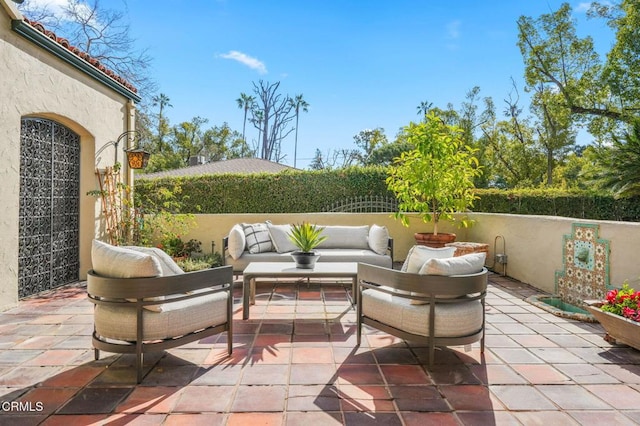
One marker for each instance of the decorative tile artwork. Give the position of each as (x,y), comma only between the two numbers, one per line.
(586,265)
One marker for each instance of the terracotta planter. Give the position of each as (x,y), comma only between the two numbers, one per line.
(434,240)
(619,329)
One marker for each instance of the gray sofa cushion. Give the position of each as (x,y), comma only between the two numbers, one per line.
(345,237)
(326,255)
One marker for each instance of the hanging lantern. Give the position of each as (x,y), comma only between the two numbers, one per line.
(137,158)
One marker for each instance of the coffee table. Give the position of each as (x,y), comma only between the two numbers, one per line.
(288,270)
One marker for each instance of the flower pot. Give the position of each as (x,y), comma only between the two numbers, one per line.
(619,329)
(434,240)
(305,259)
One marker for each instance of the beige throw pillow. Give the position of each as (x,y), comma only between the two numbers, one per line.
(119,262)
(418,255)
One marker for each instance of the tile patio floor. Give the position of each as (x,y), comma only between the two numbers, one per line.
(295,363)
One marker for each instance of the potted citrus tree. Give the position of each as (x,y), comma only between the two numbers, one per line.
(434,179)
(306,237)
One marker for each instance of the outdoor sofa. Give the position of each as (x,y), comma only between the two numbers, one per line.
(266,242)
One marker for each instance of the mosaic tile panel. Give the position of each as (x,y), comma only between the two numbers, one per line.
(586,265)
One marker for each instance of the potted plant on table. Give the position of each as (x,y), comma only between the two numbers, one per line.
(435,178)
(306,237)
(619,315)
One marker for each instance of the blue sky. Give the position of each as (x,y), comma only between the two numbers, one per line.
(359,64)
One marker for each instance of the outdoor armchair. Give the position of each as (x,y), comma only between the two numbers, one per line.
(138,315)
(432,309)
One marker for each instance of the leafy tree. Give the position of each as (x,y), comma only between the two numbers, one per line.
(222,143)
(189,138)
(510,149)
(605,95)
(318,161)
(297,103)
(368,141)
(554,133)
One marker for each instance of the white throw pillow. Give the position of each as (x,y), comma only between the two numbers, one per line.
(345,237)
(460,265)
(280,237)
(378,239)
(257,236)
(119,262)
(237,242)
(418,255)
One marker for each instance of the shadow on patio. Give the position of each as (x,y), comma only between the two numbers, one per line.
(295,362)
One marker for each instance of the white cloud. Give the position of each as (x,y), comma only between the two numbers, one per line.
(453,29)
(247,60)
(56,7)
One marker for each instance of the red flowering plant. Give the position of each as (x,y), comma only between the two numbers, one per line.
(624,302)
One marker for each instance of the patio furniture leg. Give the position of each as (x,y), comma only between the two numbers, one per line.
(253,291)
(96,354)
(246,289)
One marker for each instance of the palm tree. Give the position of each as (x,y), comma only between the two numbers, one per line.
(245,101)
(621,164)
(162,101)
(424,107)
(297,103)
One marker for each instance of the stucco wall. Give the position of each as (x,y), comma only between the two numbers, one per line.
(35,83)
(533,244)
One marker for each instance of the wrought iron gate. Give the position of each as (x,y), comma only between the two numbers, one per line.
(49,206)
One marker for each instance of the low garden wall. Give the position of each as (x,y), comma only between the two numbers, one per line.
(533,244)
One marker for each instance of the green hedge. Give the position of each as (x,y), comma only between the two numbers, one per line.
(558,203)
(315,191)
(286,192)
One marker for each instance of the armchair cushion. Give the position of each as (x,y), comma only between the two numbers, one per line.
(120,262)
(173,319)
(418,256)
(452,320)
